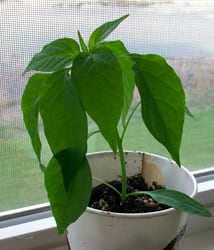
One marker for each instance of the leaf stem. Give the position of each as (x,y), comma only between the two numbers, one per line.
(129,119)
(93,133)
(138,193)
(108,185)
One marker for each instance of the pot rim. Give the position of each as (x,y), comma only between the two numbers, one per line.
(131,215)
(148,214)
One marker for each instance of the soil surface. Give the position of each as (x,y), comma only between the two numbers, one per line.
(106,199)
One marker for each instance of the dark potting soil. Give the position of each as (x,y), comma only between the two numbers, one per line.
(106,199)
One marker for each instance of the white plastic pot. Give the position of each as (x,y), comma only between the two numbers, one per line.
(100,230)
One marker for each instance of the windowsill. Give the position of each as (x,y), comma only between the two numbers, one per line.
(42,235)
(199,241)
(40,232)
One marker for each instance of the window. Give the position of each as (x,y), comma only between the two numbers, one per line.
(180,30)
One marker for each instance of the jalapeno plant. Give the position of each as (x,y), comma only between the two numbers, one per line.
(75,80)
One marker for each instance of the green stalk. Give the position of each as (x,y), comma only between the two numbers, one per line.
(122,155)
(123,167)
(123,194)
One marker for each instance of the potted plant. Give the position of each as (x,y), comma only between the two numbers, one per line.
(75,81)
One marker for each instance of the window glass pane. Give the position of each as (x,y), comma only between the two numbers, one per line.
(180,30)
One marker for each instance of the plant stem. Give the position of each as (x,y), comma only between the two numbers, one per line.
(122,156)
(123,167)
(123,193)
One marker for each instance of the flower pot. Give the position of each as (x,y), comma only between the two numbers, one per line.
(100,230)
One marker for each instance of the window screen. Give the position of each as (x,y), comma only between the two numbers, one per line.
(182,31)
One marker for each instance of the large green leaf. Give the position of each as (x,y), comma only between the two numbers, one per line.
(163,101)
(100,33)
(64,120)
(126,64)
(67,206)
(55,56)
(180,201)
(98,79)
(30,109)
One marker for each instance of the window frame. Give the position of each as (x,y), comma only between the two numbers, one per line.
(34,226)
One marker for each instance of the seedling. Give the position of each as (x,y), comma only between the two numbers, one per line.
(97,79)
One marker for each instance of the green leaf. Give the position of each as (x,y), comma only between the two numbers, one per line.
(69,160)
(82,43)
(98,80)
(67,206)
(64,120)
(126,64)
(180,201)
(163,101)
(30,108)
(100,33)
(117,47)
(55,56)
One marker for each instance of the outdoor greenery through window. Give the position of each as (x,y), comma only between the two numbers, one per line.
(180,30)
